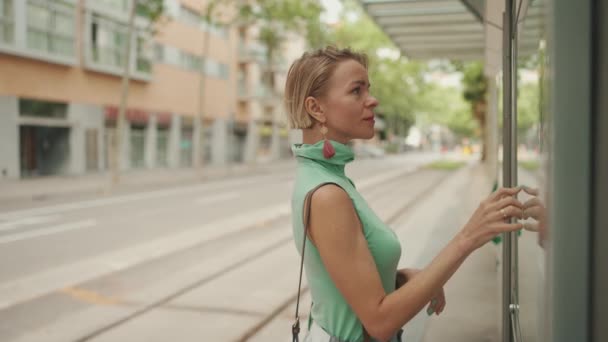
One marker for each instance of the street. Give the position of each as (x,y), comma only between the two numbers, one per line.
(209,261)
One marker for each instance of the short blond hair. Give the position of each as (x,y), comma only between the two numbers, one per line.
(309,76)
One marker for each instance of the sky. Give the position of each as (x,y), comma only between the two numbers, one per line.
(332,11)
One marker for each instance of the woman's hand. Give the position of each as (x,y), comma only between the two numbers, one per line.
(437,304)
(491,219)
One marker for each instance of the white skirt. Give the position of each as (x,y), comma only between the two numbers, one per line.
(317,334)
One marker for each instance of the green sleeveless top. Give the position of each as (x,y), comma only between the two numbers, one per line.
(330,310)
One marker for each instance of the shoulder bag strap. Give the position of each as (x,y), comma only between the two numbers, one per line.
(295,329)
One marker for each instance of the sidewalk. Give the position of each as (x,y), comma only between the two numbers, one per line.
(473,294)
(54,187)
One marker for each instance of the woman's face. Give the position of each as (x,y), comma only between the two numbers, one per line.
(348,105)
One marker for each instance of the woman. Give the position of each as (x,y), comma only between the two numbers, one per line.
(351,256)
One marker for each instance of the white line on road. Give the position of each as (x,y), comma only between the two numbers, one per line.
(218,198)
(27,221)
(29,287)
(48,231)
(13,215)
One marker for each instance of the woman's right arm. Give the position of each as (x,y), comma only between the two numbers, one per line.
(336,232)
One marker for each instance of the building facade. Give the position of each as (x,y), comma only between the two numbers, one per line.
(61,63)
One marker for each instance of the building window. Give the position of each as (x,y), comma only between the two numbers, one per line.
(137,147)
(190,61)
(50,27)
(216,29)
(190,16)
(162,146)
(224,71)
(144,55)
(108,40)
(159,53)
(216,69)
(193,18)
(7,22)
(43,109)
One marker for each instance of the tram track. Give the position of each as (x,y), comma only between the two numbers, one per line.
(388,185)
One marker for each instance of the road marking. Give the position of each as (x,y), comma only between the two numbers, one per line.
(218,198)
(27,221)
(48,231)
(61,208)
(89,296)
(29,287)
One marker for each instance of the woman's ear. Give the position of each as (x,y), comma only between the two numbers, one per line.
(313,108)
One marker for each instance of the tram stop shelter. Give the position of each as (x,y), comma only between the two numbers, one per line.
(476,30)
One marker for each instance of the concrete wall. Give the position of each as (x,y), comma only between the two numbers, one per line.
(151,140)
(84,117)
(219,151)
(252,142)
(9,138)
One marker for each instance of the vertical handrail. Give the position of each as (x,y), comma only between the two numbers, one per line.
(507,333)
(511,329)
(517,337)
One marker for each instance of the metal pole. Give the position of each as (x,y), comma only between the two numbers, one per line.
(507,334)
(514,307)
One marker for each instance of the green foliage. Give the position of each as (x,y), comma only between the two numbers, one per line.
(447,165)
(152,10)
(396,82)
(528,110)
(277,18)
(530,165)
(474,81)
(528,106)
(391,148)
(446,106)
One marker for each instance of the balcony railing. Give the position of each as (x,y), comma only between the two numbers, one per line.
(259,92)
(252,53)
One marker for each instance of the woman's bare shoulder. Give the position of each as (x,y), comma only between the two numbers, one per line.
(330,195)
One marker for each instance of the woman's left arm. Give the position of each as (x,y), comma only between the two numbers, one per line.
(437,304)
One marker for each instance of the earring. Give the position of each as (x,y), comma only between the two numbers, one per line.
(328,148)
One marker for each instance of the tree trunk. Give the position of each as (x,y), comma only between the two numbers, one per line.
(200,120)
(120,120)
(479,111)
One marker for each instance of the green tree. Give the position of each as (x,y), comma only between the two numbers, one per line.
(152,11)
(528,110)
(446,106)
(278,18)
(475,90)
(212,17)
(396,82)
(275,20)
